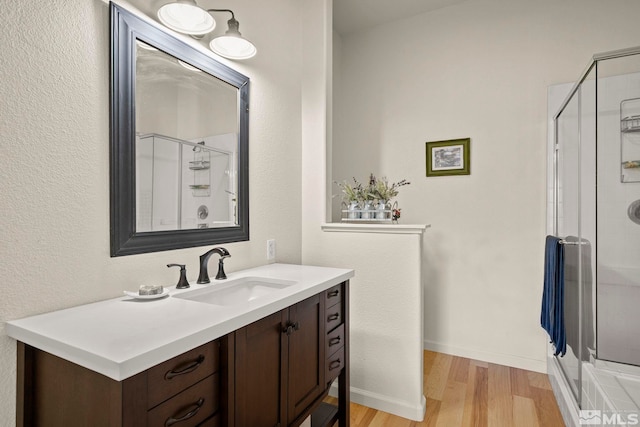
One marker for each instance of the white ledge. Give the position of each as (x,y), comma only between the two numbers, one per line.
(342,227)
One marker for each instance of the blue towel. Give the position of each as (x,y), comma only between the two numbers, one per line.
(552,313)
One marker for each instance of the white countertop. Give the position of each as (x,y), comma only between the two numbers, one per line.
(123,336)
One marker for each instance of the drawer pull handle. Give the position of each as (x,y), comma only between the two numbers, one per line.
(196,407)
(335,364)
(334,341)
(333,294)
(333,317)
(187,369)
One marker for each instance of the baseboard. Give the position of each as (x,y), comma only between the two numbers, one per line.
(497,358)
(385,403)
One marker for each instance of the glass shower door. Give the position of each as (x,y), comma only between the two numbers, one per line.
(567,224)
(575,193)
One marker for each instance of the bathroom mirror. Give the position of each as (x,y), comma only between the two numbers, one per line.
(179,142)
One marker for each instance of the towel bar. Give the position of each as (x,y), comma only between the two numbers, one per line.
(567,242)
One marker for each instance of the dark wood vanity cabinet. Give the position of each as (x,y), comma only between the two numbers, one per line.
(183,391)
(280,366)
(274,372)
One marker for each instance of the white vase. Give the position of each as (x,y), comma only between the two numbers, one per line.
(367,210)
(380,210)
(353,211)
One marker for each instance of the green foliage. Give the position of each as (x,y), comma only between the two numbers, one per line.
(376,189)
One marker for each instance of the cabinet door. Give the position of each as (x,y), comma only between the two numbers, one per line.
(306,355)
(260,365)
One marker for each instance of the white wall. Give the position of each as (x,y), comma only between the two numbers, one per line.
(54,167)
(479,69)
(385,305)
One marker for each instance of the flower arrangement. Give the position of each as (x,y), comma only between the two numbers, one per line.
(379,189)
(384,191)
(350,193)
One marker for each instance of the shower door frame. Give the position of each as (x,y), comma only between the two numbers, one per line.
(593,65)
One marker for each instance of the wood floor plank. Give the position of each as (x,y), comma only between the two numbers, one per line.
(459,369)
(431,415)
(362,415)
(479,363)
(524,412)
(438,375)
(429,358)
(452,406)
(500,408)
(537,379)
(469,393)
(387,420)
(519,382)
(546,408)
(476,399)
(467,412)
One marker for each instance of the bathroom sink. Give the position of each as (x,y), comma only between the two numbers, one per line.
(237,291)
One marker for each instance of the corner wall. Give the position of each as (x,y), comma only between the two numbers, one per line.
(54,167)
(478,69)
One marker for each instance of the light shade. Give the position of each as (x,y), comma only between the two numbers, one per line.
(185,16)
(232,45)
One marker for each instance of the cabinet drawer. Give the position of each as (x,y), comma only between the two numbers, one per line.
(333,295)
(335,363)
(333,317)
(171,377)
(211,421)
(189,408)
(334,340)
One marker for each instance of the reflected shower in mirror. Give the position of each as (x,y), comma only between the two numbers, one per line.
(186,145)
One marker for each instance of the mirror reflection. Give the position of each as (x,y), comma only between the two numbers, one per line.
(186,157)
(179,132)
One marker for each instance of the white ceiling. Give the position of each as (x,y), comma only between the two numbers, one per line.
(351,16)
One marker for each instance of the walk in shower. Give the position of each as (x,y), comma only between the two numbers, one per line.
(594,206)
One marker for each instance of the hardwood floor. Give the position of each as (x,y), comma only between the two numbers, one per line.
(467,393)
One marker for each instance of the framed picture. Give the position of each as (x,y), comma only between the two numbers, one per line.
(451,157)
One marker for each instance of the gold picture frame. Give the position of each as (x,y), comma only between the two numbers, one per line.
(449,157)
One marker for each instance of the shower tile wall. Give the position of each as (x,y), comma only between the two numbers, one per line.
(619,238)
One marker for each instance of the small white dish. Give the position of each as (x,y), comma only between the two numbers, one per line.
(138,296)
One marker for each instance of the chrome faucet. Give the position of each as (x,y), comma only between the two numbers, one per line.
(203,277)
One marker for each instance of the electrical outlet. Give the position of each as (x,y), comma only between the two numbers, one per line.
(271,250)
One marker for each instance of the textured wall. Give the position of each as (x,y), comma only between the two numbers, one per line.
(478,69)
(54,166)
(385,304)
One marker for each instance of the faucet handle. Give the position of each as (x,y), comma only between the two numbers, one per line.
(182,282)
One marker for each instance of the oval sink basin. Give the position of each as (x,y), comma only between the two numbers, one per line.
(236,292)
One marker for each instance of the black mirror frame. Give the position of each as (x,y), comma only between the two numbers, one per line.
(125,29)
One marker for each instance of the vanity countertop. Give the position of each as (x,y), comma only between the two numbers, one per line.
(123,336)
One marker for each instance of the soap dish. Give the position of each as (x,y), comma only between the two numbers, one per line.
(136,295)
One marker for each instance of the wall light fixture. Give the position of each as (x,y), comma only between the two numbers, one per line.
(185,16)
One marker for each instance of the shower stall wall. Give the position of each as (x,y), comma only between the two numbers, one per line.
(594,205)
(185,184)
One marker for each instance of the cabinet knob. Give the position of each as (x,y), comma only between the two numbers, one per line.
(291,328)
(288,329)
